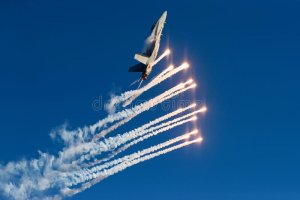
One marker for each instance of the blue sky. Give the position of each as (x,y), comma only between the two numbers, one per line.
(57,57)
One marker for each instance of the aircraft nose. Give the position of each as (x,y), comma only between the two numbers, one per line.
(163,17)
(165,14)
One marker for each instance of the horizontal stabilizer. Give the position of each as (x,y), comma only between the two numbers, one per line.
(141,58)
(137,68)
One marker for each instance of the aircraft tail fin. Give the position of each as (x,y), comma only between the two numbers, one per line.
(141,58)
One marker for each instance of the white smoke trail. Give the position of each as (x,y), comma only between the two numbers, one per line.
(171,67)
(110,106)
(160,78)
(110,142)
(32,179)
(114,142)
(114,101)
(143,137)
(167,52)
(133,156)
(82,146)
(114,127)
(120,140)
(73,151)
(95,150)
(172,71)
(122,166)
(84,134)
(41,178)
(131,111)
(141,107)
(58,167)
(118,124)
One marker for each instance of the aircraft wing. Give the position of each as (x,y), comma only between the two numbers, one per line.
(137,68)
(141,58)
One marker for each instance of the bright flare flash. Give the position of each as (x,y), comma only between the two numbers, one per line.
(186,136)
(200,139)
(186,65)
(194,85)
(193,105)
(168,51)
(170,67)
(189,81)
(194,132)
(203,109)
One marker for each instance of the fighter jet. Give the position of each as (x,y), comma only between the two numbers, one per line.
(147,59)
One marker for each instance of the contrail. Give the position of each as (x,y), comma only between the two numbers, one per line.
(168,74)
(126,95)
(118,124)
(58,167)
(135,155)
(120,140)
(84,147)
(52,172)
(144,137)
(130,111)
(139,129)
(122,166)
(115,100)
(141,107)
(179,91)
(170,71)
(156,81)
(77,166)
(114,142)
(167,52)
(171,67)
(143,152)
(161,128)
(114,127)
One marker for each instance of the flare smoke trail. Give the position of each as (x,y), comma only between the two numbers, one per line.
(141,135)
(141,153)
(133,156)
(83,146)
(128,97)
(36,178)
(160,78)
(129,112)
(95,150)
(122,166)
(120,123)
(167,52)
(141,107)
(40,178)
(114,101)
(142,138)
